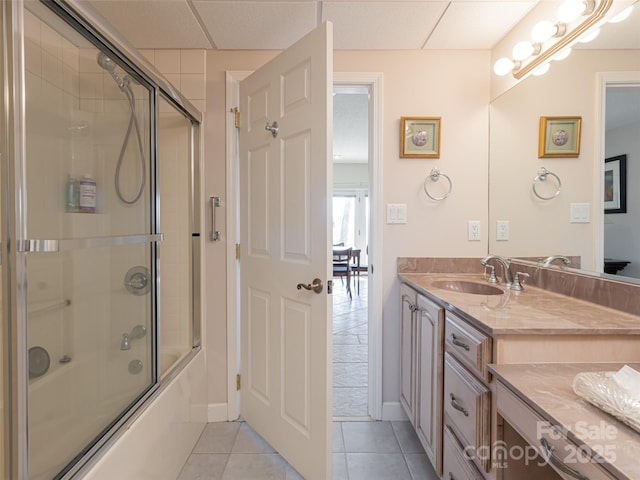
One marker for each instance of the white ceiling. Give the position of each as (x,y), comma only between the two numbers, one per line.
(266,24)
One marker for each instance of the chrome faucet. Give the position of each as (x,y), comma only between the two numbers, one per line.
(549,260)
(507,276)
(138,331)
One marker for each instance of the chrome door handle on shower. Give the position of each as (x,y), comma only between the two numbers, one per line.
(214,235)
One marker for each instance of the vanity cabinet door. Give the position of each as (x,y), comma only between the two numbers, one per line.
(408,351)
(428,426)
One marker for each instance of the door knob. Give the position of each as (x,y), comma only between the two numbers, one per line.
(316,286)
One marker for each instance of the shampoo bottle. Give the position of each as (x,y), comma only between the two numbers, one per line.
(88,193)
(72,194)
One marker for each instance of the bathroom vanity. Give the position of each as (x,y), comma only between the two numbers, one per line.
(454,344)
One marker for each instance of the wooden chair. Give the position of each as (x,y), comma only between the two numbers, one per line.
(342,265)
(358,268)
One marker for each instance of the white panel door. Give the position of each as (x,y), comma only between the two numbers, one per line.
(285,234)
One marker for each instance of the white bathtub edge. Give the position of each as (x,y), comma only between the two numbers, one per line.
(158,443)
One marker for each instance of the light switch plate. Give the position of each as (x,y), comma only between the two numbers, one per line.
(580,212)
(396,213)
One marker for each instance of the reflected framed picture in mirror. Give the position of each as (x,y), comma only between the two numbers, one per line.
(559,137)
(615,184)
(420,137)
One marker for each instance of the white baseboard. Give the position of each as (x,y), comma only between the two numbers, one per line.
(217,412)
(393,412)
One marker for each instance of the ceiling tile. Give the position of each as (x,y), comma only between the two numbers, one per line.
(154,23)
(381,25)
(257,24)
(477,25)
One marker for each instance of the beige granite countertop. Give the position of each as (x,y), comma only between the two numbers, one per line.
(532,311)
(546,388)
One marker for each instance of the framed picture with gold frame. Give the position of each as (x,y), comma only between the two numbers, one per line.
(559,137)
(420,137)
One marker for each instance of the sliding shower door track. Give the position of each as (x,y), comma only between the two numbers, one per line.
(60,245)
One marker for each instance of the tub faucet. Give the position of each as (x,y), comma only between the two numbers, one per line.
(549,260)
(138,331)
(507,277)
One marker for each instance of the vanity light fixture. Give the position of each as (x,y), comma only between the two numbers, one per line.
(541,70)
(529,57)
(562,55)
(524,50)
(571,10)
(546,30)
(623,15)
(590,37)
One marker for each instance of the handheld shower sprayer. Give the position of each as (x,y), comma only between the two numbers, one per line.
(110,66)
(124,85)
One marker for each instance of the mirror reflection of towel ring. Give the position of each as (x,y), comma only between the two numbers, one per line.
(542,175)
(434,176)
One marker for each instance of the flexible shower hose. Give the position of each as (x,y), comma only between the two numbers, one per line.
(133,124)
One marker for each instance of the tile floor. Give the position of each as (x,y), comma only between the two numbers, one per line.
(362,451)
(350,348)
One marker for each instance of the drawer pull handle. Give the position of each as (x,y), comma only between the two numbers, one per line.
(559,464)
(458,343)
(457,406)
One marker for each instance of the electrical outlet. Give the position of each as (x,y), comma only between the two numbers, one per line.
(502,230)
(474,230)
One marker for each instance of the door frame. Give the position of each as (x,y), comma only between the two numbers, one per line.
(373,81)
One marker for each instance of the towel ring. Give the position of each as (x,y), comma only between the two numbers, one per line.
(542,175)
(434,176)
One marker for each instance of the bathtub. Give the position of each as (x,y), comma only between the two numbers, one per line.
(73,403)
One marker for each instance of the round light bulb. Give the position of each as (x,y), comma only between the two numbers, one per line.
(503,66)
(623,15)
(590,36)
(569,10)
(541,70)
(562,55)
(523,50)
(543,31)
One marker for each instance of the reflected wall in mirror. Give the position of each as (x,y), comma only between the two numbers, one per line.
(538,228)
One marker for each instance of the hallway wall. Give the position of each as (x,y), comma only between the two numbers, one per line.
(451,84)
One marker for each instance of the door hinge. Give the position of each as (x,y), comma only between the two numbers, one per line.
(237,251)
(236,113)
(238,382)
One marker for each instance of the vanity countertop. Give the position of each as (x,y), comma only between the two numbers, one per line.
(532,311)
(546,389)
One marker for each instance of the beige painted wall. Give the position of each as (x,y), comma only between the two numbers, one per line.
(540,228)
(453,85)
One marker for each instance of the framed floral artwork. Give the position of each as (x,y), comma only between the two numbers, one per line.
(420,137)
(559,137)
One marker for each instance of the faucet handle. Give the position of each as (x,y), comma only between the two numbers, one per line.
(492,273)
(517,285)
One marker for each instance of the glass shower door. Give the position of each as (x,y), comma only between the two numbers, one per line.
(90,247)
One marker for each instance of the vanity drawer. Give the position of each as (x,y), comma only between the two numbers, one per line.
(469,345)
(568,460)
(455,465)
(467,402)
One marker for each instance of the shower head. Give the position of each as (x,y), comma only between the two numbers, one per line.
(106,63)
(110,66)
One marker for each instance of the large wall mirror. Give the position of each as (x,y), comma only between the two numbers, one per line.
(603,72)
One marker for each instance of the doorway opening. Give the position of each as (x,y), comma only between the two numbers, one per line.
(351,222)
